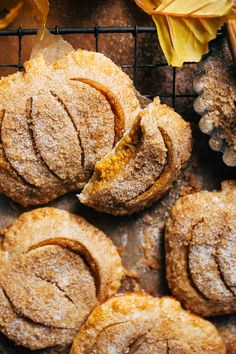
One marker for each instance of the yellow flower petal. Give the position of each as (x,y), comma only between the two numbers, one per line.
(185,27)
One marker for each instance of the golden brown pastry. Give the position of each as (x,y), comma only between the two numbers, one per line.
(58,120)
(55,268)
(141,324)
(143,165)
(201,251)
(216,86)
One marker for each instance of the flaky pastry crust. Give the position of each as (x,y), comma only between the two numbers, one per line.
(55,268)
(143,165)
(138,323)
(58,120)
(200,251)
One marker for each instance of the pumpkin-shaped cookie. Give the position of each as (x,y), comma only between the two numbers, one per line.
(141,324)
(58,120)
(201,251)
(55,268)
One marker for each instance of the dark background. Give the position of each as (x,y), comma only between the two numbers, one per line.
(205,170)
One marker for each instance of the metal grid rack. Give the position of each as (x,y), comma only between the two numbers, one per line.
(96,31)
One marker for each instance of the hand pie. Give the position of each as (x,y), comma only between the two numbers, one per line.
(143,165)
(141,324)
(58,120)
(55,268)
(201,251)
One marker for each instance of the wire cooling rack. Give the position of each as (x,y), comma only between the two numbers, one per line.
(96,31)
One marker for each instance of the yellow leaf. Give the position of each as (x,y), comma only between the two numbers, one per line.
(185,27)
(40,8)
(11,15)
(149,4)
(194,8)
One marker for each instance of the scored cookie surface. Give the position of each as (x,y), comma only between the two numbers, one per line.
(55,269)
(201,253)
(141,324)
(58,120)
(143,165)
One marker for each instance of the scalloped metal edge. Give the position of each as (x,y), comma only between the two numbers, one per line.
(206,124)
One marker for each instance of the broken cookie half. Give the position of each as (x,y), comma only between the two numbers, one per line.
(143,165)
